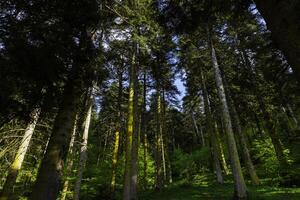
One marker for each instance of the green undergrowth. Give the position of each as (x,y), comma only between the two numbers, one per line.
(202,188)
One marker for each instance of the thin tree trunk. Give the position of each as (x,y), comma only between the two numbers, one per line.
(173,138)
(292,115)
(7,192)
(197,129)
(163,159)
(220,148)
(239,182)
(241,136)
(48,181)
(83,149)
(159,170)
(211,131)
(143,128)
(164,137)
(167,165)
(247,158)
(117,137)
(105,140)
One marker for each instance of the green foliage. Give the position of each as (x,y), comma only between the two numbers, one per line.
(96,181)
(150,179)
(264,151)
(187,165)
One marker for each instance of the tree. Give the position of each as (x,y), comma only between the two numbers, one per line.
(240,186)
(84,144)
(281,18)
(15,167)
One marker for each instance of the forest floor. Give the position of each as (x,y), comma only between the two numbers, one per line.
(205,191)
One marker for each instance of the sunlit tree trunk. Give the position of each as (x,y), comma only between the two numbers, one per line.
(48,181)
(129,134)
(165,141)
(164,137)
(163,159)
(246,154)
(117,137)
(211,131)
(220,148)
(7,192)
(239,182)
(242,138)
(83,148)
(135,138)
(159,168)
(70,162)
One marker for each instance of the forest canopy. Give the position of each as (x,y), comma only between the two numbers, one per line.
(149,99)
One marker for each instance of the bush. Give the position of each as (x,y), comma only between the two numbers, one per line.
(185,165)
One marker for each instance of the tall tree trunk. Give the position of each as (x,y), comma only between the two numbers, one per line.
(247,158)
(135,138)
(282,18)
(159,170)
(83,148)
(129,134)
(197,129)
(239,182)
(7,192)
(143,128)
(217,155)
(164,137)
(163,159)
(241,136)
(117,137)
(165,146)
(220,148)
(211,131)
(70,162)
(48,181)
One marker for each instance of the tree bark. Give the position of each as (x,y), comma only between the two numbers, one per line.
(129,134)
(282,18)
(159,170)
(83,148)
(211,131)
(7,192)
(247,158)
(239,182)
(217,155)
(135,138)
(117,137)
(48,181)
(70,162)
(197,129)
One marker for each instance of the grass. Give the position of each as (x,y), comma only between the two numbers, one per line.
(202,189)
